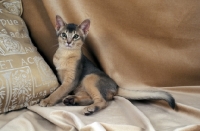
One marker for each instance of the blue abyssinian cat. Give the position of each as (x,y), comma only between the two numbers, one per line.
(91,86)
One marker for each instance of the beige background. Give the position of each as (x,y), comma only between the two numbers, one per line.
(153,43)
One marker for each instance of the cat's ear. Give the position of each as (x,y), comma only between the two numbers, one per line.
(85,25)
(59,22)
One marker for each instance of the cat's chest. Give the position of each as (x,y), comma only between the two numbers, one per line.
(65,62)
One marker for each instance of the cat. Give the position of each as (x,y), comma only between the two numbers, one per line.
(91,87)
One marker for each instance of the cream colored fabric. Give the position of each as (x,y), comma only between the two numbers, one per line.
(64,118)
(25,77)
(120,115)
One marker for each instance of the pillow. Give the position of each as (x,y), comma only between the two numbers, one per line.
(25,78)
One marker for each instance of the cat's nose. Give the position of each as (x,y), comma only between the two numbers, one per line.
(69,42)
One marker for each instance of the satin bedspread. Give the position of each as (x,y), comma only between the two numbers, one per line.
(141,44)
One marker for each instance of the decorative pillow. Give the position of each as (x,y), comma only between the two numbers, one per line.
(25,78)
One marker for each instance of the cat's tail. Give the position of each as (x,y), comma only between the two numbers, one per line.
(149,95)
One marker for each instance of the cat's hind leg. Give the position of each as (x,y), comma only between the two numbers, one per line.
(81,98)
(90,85)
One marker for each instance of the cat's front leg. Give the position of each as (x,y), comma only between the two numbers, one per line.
(57,95)
(52,99)
(46,102)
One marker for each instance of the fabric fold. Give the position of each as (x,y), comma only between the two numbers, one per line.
(70,118)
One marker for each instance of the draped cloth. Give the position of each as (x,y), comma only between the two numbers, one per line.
(142,45)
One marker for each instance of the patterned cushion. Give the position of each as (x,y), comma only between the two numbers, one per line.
(25,78)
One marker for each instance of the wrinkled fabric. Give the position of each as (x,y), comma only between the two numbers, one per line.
(120,115)
(70,118)
(142,45)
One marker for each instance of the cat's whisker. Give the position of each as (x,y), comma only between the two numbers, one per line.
(54,45)
(84,48)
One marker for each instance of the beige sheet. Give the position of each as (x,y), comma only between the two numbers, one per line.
(63,118)
(120,115)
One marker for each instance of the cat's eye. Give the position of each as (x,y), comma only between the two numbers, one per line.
(63,35)
(76,36)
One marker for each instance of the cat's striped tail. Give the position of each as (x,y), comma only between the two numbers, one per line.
(147,95)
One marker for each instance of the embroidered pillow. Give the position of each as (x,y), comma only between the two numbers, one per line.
(25,78)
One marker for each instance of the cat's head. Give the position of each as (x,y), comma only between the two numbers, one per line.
(71,36)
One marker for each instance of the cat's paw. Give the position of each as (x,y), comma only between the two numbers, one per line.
(89,110)
(45,103)
(69,100)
